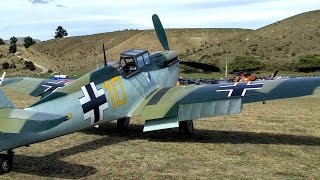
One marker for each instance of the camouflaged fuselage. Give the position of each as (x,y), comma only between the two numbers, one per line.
(123,96)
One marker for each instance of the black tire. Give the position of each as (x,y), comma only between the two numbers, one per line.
(6,163)
(186,127)
(122,124)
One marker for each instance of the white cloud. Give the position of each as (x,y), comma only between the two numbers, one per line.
(85,17)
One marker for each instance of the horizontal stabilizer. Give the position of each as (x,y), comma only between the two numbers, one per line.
(23,85)
(5,101)
(25,121)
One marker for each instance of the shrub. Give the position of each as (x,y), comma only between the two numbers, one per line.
(5,65)
(29,65)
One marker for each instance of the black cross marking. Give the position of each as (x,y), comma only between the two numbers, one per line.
(97,104)
(239,89)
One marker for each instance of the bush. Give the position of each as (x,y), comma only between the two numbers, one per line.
(5,65)
(29,65)
(28,41)
(245,63)
(308,63)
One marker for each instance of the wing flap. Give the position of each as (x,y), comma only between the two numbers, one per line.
(209,109)
(167,117)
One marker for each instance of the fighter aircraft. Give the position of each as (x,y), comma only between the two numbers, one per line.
(143,84)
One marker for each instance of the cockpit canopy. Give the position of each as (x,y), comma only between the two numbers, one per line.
(132,60)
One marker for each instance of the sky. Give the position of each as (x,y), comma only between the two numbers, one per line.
(40,18)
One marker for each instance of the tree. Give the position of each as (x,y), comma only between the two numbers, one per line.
(28,41)
(13,46)
(308,63)
(2,42)
(245,63)
(60,32)
(13,40)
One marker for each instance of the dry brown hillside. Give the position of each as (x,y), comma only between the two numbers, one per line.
(17,65)
(279,43)
(74,53)
(84,52)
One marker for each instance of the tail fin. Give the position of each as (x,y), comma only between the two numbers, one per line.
(5,101)
(2,78)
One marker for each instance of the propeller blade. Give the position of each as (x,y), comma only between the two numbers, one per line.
(160,32)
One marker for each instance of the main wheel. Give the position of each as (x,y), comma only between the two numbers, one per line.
(186,127)
(6,163)
(122,124)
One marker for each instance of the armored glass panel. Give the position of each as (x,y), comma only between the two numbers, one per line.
(146,58)
(140,61)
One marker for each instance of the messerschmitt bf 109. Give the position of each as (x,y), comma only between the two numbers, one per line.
(142,85)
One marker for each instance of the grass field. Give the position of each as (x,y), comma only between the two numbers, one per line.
(276,140)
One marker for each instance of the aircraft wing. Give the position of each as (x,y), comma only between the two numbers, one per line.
(34,86)
(167,106)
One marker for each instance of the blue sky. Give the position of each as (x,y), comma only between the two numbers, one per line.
(39,18)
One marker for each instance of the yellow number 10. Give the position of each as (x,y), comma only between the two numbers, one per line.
(114,95)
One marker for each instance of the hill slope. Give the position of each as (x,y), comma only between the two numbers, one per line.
(278,44)
(83,53)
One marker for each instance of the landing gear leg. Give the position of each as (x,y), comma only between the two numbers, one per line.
(6,162)
(122,124)
(186,127)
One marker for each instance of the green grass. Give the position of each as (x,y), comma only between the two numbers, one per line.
(276,140)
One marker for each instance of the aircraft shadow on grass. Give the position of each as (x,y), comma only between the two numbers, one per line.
(52,166)
(205,136)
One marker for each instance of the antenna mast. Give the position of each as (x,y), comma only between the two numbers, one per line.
(104,55)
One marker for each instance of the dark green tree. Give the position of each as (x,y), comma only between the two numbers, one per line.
(13,46)
(2,42)
(308,63)
(28,41)
(245,63)
(13,40)
(60,32)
